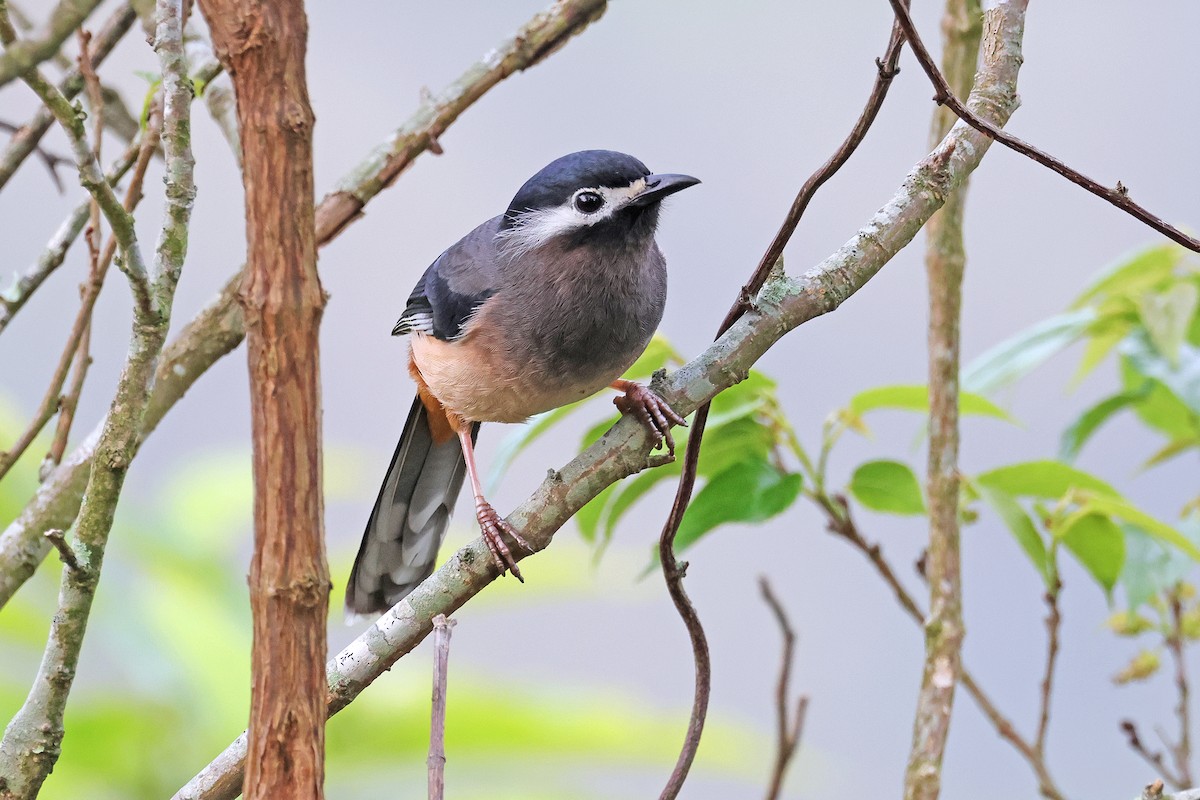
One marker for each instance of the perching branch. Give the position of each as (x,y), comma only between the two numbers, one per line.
(841,523)
(945,260)
(27,137)
(783,304)
(789,724)
(32,739)
(1118,195)
(673,571)
(219,328)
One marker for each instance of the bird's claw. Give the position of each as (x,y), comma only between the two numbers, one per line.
(652,411)
(494,527)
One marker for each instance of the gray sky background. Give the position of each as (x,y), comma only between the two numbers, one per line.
(750,97)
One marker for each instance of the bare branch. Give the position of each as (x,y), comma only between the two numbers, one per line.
(20,57)
(1181,750)
(27,137)
(789,724)
(783,304)
(1053,626)
(1118,195)
(56,538)
(90,177)
(1151,757)
(443,627)
(945,261)
(673,572)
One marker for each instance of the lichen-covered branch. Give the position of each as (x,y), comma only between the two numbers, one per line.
(32,739)
(21,56)
(219,328)
(945,259)
(783,304)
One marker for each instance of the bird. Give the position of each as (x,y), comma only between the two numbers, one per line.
(541,306)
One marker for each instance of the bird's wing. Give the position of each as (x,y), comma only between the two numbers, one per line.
(454,286)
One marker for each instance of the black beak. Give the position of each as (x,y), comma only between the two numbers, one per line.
(660,186)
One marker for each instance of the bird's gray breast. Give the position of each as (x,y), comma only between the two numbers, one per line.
(584,313)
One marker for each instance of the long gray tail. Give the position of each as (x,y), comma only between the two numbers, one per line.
(400,546)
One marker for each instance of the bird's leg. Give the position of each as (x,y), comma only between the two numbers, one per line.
(649,409)
(491,523)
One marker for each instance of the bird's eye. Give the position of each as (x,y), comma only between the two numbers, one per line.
(589,202)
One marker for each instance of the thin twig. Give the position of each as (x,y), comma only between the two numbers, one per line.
(673,572)
(148,147)
(1152,757)
(789,725)
(443,627)
(841,523)
(27,137)
(92,179)
(1053,626)
(50,160)
(52,400)
(1118,195)
(1181,751)
(65,552)
(14,298)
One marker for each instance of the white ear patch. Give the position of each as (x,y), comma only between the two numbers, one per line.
(533,228)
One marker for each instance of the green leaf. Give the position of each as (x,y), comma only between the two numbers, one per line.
(915,397)
(752,491)
(1120,508)
(1087,423)
(1022,529)
(749,397)
(1173,448)
(1098,544)
(1167,317)
(589,517)
(1047,479)
(1151,566)
(1132,275)
(887,486)
(1099,344)
(659,354)
(1019,355)
(1182,377)
(1160,409)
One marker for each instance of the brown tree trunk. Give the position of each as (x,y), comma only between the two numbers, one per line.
(262,44)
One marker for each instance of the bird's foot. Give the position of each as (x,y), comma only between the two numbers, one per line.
(494,527)
(652,411)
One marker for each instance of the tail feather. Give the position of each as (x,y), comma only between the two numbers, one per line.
(409,521)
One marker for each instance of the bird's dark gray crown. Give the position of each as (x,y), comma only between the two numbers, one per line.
(556,182)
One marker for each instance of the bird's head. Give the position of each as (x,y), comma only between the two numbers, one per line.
(594,197)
